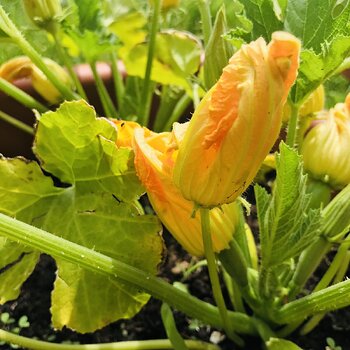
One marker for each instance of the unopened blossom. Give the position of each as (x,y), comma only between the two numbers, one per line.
(237,122)
(22,67)
(155,155)
(326,146)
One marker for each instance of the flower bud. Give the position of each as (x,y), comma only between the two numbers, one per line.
(126,131)
(44,86)
(22,67)
(237,122)
(314,103)
(155,155)
(326,146)
(16,68)
(43,12)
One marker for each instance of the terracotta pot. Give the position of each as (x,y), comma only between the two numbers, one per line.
(15,142)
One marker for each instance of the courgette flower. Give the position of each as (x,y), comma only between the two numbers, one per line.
(326,146)
(155,155)
(22,67)
(126,131)
(43,12)
(237,122)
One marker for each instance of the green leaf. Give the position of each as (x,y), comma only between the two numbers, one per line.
(86,301)
(281,344)
(316,68)
(324,30)
(262,15)
(25,193)
(80,149)
(89,12)
(37,38)
(93,45)
(336,88)
(316,23)
(17,265)
(286,224)
(177,58)
(217,52)
(130,29)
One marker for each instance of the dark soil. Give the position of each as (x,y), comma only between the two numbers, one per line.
(34,302)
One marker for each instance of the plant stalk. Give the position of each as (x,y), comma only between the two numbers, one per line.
(307,264)
(336,272)
(206,20)
(68,64)
(11,30)
(107,104)
(214,277)
(147,91)
(328,299)
(293,126)
(58,247)
(118,81)
(21,96)
(16,123)
(156,344)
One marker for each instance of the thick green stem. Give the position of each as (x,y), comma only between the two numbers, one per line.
(68,64)
(234,293)
(147,91)
(328,299)
(307,264)
(16,123)
(213,275)
(87,258)
(20,96)
(28,343)
(206,20)
(118,80)
(107,104)
(170,328)
(11,30)
(336,272)
(292,126)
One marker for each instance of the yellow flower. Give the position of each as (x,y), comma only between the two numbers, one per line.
(43,12)
(22,67)
(326,146)
(237,122)
(126,131)
(155,155)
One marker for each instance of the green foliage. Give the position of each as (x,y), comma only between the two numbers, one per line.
(336,89)
(316,23)
(286,224)
(281,344)
(177,57)
(332,345)
(217,52)
(15,327)
(262,14)
(98,210)
(36,37)
(323,28)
